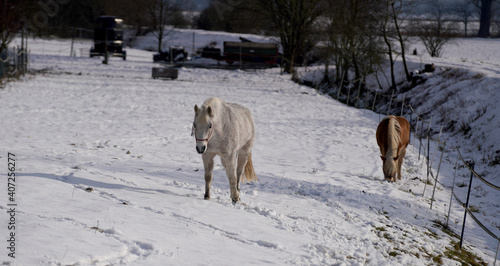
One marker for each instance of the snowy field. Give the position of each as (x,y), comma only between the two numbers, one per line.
(107,172)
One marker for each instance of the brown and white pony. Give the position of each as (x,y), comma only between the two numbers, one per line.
(227,130)
(393,136)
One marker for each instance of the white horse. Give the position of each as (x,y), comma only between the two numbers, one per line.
(227,130)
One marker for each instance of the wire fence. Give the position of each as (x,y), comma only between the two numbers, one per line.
(422,129)
(13,62)
(469,165)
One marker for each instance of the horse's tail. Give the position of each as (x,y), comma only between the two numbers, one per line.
(249,173)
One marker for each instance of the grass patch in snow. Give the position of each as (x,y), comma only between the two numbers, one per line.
(462,255)
(454,252)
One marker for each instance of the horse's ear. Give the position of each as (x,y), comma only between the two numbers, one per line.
(209,110)
(196,109)
(382,157)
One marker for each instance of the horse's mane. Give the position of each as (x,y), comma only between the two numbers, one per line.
(393,137)
(212,101)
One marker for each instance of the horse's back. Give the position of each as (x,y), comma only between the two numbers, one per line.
(383,131)
(241,115)
(241,120)
(405,130)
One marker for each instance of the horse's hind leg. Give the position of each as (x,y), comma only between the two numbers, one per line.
(400,161)
(242,161)
(229,163)
(208,163)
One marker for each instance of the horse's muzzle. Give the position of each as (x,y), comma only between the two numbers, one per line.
(201,149)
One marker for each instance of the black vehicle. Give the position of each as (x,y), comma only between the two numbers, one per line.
(178,52)
(108,37)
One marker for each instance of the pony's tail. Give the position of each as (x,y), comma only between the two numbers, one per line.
(249,173)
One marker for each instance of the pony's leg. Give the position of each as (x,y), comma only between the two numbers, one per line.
(229,162)
(242,161)
(208,163)
(400,161)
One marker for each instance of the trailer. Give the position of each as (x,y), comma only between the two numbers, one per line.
(108,37)
(245,52)
(251,52)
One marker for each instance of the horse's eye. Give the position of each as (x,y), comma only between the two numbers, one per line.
(209,125)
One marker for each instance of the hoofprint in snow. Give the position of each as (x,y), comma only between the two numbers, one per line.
(107,173)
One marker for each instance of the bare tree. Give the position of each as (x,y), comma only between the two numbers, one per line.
(10,23)
(387,31)
(400,8)
(436,33)
(485,17)
(293,21)
(463,10)
(353,42)
(160,12)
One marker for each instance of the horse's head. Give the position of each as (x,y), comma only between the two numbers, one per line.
(203,127)
(389,167)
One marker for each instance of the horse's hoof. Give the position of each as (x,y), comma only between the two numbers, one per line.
(207,197)
(236,200)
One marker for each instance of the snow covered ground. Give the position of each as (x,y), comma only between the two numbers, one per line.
(107,173)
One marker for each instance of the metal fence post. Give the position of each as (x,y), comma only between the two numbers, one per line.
(466,206)
(374,101)
(411,113)
(419,136)
(403,104)
(437,144)
(496,254)
(341,84)
(437,175)
(390,103)
(348,95)
(452,190)
(359,91)
(428,165)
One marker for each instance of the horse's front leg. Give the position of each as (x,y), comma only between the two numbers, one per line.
(229,163)
(208,163)
(400,161)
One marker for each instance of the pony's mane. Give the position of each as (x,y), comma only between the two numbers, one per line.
(393,137)
(214,101)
